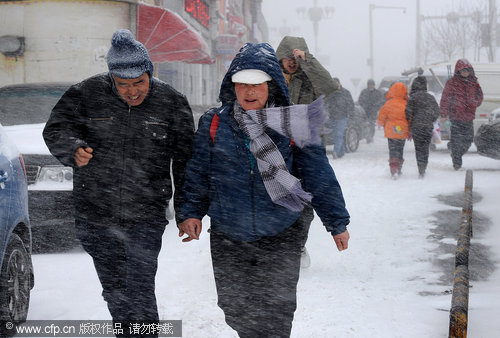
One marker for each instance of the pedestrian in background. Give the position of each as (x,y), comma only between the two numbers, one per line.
(339,106)
(371,99)
(253,182)
(306,80)
(461,96)
(422,111)
(120,131)
(305,77)
(392,117)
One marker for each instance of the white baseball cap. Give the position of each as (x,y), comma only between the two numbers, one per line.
(251,76)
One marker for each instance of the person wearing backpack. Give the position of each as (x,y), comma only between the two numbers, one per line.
(257,162)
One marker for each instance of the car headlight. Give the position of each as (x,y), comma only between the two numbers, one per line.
(55,174)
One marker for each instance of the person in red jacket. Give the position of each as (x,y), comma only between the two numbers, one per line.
(461,96)
(392,117)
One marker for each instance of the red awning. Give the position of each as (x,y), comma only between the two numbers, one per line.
(168,37)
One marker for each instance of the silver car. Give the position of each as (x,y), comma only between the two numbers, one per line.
(24,110)
(16,274)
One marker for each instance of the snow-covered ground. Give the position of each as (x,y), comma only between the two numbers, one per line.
(394,280)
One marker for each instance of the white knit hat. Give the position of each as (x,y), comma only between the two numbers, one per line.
(251,76)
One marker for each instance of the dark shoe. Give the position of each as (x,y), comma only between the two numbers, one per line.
(457,166)
(421,175)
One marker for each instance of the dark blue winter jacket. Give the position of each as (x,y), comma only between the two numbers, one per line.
(223,182)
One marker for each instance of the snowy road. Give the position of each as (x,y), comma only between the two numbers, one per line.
(392,282)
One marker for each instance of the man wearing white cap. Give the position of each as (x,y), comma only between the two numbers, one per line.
(257,162)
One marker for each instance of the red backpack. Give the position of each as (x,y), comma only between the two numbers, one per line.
(213,127)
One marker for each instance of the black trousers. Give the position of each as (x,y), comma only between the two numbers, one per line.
(461,138)
(422,139)
(396,148)
(126,261)
(257,281)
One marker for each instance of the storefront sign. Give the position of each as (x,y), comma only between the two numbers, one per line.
(199,10)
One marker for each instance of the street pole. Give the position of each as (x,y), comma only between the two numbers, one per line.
(418,49)
(370,61)
(493,30)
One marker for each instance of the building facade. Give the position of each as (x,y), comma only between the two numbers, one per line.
(191,42)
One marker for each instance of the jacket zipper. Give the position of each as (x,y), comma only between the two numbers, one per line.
(246,151)
(252,201)
(123,162)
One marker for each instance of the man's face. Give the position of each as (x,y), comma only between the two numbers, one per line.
(465,72)
(251,96)
(290,64)
(133,91)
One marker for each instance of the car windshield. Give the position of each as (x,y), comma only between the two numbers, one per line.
(27,105)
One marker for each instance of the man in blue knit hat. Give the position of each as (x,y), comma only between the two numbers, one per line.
(121,131)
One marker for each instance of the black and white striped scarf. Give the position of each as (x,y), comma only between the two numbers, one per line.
(301,123)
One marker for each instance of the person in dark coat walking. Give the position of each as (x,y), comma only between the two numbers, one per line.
(371,100)
(461,96)
(253,182)
(340,106)
(422,110)
(121,132)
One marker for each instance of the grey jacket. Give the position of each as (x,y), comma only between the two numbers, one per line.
(311,80)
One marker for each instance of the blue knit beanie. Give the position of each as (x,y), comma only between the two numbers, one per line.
(128,58)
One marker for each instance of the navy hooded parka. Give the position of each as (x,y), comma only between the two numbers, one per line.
(223,182)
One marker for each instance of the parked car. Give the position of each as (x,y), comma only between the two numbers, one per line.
(16,274)
(24,110)
(494,115)
(358,128)
(487,140)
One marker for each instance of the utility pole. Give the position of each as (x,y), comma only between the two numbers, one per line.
(493,30)
(418,47)
(370,60)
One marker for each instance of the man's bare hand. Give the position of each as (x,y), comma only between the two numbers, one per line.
(190,227)
(297,53)
(83,156)
(342,240)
